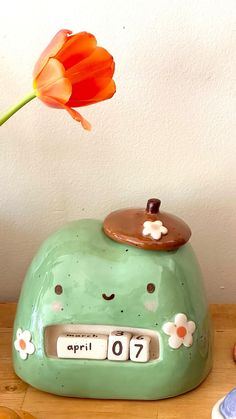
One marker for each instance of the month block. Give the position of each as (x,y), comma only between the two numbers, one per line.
(82,346)
(118,345)
(139,348)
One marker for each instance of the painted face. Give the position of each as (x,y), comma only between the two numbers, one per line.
(82,285)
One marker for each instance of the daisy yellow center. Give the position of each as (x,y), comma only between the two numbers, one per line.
(181,331)
(22,344)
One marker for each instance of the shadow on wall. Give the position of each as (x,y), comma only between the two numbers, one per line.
(213,226)
(18,246)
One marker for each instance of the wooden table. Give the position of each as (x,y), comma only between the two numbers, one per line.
(196,404)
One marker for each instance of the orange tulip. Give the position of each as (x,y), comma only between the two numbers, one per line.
(72,72)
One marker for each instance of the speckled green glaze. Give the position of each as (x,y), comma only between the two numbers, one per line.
(86,263)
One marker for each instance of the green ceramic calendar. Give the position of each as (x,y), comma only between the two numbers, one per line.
(115,310)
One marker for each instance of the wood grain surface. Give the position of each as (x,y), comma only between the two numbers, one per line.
(196,404)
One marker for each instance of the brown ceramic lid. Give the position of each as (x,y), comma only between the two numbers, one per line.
(147,228)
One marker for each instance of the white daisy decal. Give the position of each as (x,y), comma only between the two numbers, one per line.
(155,229)
(180,331)
(22,343)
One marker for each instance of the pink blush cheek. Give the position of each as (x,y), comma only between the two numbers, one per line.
(151,305)
(57,306)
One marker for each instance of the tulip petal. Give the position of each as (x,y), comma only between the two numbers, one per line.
(100,62)
(52,71)
(78,117)
(84,94)
(75,115)
(60,90)
(106,93)
(52,49)
(76,48)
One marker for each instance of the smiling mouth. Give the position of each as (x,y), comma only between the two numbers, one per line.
(54,332)
(108,297)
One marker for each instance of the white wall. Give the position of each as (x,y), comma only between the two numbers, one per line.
(169,132)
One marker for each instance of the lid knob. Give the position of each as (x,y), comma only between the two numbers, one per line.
(153,206)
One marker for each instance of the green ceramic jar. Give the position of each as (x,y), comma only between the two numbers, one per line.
(135,274)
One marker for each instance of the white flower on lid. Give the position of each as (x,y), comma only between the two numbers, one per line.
(155,229)
(180,331)
(22,343)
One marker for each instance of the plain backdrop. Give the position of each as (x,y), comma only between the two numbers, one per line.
(169,132)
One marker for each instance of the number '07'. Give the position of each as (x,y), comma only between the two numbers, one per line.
(117,348)
(122,346)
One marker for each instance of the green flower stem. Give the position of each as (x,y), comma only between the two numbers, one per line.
(16,108)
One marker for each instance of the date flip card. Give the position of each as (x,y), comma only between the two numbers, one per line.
(118,346)
(82,346)
(139,348)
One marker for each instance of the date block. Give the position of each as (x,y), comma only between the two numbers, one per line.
(82,346)
(118,345)
(139,348)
